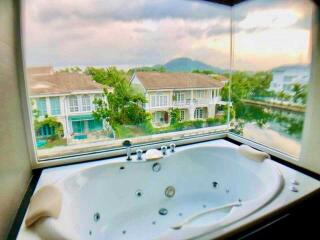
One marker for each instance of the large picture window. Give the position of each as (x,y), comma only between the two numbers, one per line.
(166,69)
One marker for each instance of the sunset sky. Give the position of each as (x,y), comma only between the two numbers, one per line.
(143,32)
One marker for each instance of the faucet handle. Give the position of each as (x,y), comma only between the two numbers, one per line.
(172,147)
(139,154)
(164,150)
(126,143)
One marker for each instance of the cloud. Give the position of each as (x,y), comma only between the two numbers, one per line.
(110,33)
(122,10)
(147,32)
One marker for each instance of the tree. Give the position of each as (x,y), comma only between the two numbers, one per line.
(300,93)
(246,85)
(121,105)
(156,68)
(52,123)
(283,96)
(207,72)
(174,114)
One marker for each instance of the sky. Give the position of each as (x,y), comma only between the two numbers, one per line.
(127,34)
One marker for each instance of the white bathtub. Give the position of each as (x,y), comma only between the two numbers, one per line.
(121,200)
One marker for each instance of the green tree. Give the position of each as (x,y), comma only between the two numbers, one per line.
(246,85)
(174,114)
(121,105)
(300,93)
(207,72)
(282,96)
(156,68)
(51,122)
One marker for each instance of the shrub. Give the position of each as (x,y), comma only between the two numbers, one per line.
(212,122)
(198,123)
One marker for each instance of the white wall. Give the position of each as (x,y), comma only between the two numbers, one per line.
(15,169)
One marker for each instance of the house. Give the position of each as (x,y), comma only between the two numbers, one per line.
(285,77)
(66,96)
(195,95)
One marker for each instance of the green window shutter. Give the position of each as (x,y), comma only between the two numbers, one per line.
(55,105)
(42,106)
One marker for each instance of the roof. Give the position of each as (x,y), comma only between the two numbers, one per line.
(156,80)
(43,70)
(61,83)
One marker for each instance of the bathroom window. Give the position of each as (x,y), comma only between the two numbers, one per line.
(271,56)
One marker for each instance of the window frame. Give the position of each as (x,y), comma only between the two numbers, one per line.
(155,100)
(308,136)
(85,103)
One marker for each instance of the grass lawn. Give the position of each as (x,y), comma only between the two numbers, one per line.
(128,131)
(55,143)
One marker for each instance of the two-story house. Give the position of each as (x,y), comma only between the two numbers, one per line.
(195,95)
(66,96)
(285,77)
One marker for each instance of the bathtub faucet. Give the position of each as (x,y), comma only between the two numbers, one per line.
(127,144)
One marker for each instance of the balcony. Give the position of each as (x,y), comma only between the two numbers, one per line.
(195,102)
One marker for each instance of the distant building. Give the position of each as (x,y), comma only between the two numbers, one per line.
(196,95)
(284,78)
(66,96)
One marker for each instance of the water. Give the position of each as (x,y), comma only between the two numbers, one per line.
(279,129)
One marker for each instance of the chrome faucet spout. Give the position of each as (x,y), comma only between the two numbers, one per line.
(139,154)
(128,144)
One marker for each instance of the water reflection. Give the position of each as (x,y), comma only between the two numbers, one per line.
(276,128)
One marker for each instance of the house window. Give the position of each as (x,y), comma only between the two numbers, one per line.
(199,93)
(86,104)
(55,105)
(73,104)
(198,113)
(179,96)
(42,106)
(182,115)
(159,101)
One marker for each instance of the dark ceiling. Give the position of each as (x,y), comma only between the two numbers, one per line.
(227,2)
(234,2)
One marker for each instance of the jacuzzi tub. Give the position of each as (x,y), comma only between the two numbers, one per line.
(147,199)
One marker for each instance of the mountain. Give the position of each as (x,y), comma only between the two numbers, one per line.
(293,66)
(188,65)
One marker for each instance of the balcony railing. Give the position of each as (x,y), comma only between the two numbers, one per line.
(195,102)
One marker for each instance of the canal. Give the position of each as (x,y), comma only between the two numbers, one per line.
(279,129)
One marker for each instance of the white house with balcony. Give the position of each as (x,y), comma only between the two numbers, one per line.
(285,77)
(195,95)
(68,97)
